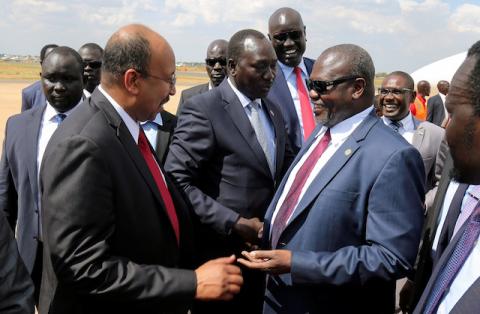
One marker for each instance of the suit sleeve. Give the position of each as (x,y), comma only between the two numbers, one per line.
(393,226)
(192,146)
(79,218)
(430,110)
(26,101)
(180,104)
(8,192)
(16,287)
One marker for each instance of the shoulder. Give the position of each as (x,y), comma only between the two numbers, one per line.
(430,127)
(32,87)
(433,99)
(195,89)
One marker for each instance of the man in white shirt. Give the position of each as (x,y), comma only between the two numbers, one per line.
(340,227)
(26,137)
(454,286)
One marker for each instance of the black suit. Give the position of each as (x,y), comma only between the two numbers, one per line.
(109,245)
(280,94)
(435,110)
(216,158)
(190,92)
(164,135)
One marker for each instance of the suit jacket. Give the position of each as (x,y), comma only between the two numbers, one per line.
(280,94)
(109,246)
(164,135)
(33,96)
(354,232)
(469,302)
(19,180)
(428,140)
(16,287)
(190,92)
(435,110)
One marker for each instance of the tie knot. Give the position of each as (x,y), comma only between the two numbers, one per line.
(298,71)
(396,125)
(254,105)
(142,140)
(60,117)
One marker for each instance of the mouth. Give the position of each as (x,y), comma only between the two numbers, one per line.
(291,53)
(390,107)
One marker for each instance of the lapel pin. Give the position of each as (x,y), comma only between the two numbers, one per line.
(271,113)
(348,151)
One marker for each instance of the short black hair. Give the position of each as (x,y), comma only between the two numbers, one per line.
(474,80)
(236,44)
(67,51)
(406,76)
(44,49)
(92,46)
(121,54)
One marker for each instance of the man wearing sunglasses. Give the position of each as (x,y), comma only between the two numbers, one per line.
(92,55)
(216,66)
(345,222)
(287,35)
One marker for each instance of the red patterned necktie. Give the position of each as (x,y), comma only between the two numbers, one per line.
(161,184)
(301,177)
(306,107)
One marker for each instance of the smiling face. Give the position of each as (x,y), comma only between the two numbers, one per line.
(395,103)
(287,34)
(62,80)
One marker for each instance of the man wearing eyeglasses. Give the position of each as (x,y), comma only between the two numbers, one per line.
(216,66)
(287,35)
(345,222)
(92,55)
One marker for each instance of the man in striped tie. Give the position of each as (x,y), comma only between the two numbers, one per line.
(454,286)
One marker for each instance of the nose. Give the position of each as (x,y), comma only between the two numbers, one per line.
(288,42)
(173,90)
(59,87)
(313,94)
(217,66)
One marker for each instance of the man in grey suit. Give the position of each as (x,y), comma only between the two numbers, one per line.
(216,66)
(26,136)
(436,111)
(32,95)
(395,95)
(454,286)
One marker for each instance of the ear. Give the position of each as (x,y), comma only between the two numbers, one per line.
(359,88)
(231,67)
(131,80)
(269,37)
(412,98)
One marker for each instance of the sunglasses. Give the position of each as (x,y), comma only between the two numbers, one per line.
(293,35)
(322,86)
(211,62)
(93,64)
(394,91)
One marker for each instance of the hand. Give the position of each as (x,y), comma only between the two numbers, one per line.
(275,261)
(406,295)
(218,279)
(249,229)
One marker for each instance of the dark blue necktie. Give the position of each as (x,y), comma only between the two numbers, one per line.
(60,117)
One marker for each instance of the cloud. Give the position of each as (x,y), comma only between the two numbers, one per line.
(40,6)
(466,19)
(422,6)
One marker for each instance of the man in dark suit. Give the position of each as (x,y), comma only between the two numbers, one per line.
(454,286)
(216,66)
(341,229)
(26,137)
(287,34)
(116,230)
(16,288)
(436,111)
(92,55)
(32,95)
(159,133)
(228,153)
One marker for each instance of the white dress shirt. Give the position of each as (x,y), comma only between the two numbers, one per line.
(447,200)
(291,79)
(339,134)
(151,129)
(407,129)
(268,126)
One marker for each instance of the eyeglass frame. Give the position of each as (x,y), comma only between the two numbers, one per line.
(172,80)
(328,85)
(221,61)
(392,91)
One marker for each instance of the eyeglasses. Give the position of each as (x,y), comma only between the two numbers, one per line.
(394,91)
(293,35)
(322,86)
(172,80)
(211,62)
(92,64)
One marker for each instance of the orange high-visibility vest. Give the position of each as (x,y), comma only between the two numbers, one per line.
(419,108)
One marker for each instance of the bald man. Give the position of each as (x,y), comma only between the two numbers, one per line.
(116,230)
(216,66)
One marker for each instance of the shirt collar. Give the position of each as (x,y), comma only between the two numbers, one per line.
(243,99)
(158,120)
(50,112)
(407,122)
(86,93)
(287,70)
(131,124)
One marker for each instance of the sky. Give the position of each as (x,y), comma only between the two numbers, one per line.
(398,34)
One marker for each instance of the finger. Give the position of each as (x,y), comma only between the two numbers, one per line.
(253,256)
(262,254)
(233,289)
(235,279)
(233,270)
(224,260)
(252,265)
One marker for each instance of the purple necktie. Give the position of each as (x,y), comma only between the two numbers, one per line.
(296,188)
(460,253)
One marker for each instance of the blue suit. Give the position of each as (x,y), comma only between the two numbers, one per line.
(33,96)
(280,95)
(356,229)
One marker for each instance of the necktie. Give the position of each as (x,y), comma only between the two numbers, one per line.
(395,125)
(161,185)
(59,117)
(259,129)
(460,253)
(306,107)
(468,206)
(293,194)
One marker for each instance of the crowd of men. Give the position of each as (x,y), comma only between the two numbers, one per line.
(283,185)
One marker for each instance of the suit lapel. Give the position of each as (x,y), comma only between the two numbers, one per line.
(278,125)
(418,136)
(239,118)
